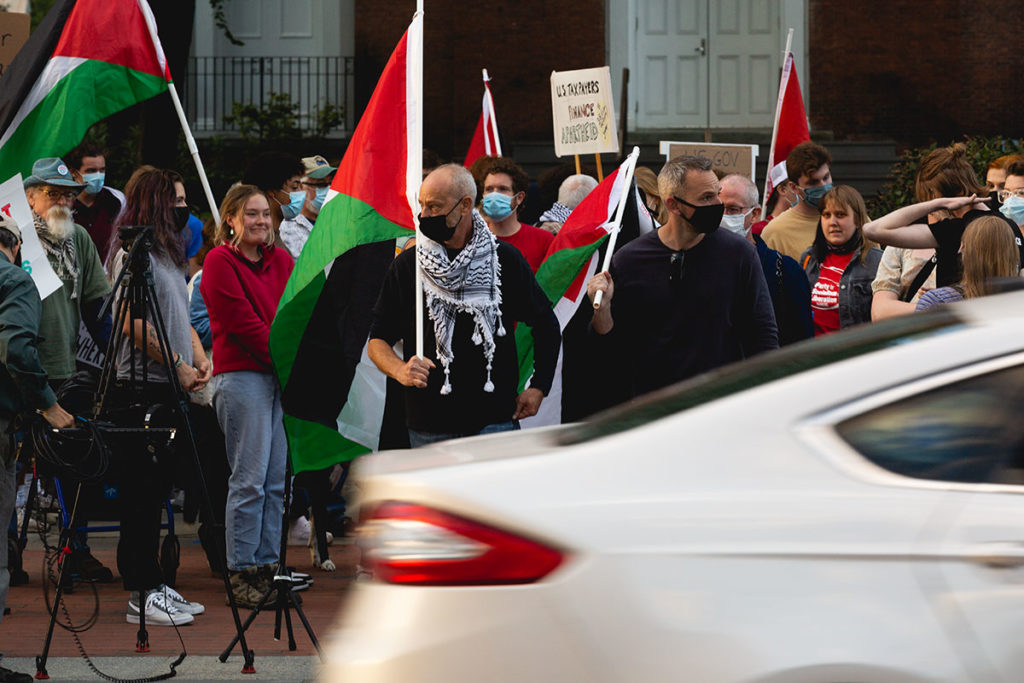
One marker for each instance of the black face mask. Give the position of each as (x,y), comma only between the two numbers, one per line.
(180,217)
(705,219)
(437,228)
(995,203)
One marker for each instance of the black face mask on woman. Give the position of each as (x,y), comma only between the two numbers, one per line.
(180,217)
(437,228)
(705,219)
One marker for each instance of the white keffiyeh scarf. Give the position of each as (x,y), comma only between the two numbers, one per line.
(470,283)
(558,213)
(61,253)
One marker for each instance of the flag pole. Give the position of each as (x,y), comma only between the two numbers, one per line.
(193,150)
(627,184)
(775,125)
(414,168)
(493,115)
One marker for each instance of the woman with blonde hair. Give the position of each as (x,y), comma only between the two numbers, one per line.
(647,181)
(945,180)
(841,264)
(243,279)
(989,252)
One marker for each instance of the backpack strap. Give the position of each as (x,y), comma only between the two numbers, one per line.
(919,279)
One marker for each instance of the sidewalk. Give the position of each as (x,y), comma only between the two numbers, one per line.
(111,641)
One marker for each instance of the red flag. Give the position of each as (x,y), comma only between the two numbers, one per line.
(790,126)
(485,140)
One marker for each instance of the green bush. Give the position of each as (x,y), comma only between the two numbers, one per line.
(899,191)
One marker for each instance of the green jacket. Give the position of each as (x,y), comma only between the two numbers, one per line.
(23,383)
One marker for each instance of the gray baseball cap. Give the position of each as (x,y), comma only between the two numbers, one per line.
(52,171)
(10,225)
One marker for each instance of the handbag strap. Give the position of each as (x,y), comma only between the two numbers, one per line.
(919,279)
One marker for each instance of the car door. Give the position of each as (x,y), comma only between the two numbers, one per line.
(962,435)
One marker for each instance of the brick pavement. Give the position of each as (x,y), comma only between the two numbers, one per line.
(23,631)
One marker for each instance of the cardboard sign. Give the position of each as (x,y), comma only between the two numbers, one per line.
(33,258)
(14,30)
(725,158)
(583,112)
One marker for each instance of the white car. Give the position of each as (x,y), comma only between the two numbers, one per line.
(847,509)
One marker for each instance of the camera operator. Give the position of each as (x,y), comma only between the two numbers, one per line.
(156,198)
(23,384)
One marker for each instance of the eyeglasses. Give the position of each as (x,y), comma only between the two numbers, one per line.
(58,195)
(1005,194)
(675,267)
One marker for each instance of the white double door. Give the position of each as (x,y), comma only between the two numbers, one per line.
(706,63)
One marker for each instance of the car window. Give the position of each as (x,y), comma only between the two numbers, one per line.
(767,367)
(966,431)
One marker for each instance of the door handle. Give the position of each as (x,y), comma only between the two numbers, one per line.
(702,48)
(999,555)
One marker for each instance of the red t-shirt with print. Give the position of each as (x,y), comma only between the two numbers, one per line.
(825,293)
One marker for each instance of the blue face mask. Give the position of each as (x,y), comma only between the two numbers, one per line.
(496,205)
(294,205)
(93,182)
(318,200)
(813,195)
(1013,208)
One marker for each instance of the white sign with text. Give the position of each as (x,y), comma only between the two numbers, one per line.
(583,112)
(33,259)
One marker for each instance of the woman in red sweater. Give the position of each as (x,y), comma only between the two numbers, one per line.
(243,279)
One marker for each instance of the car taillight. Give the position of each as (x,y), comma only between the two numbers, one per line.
(413,544)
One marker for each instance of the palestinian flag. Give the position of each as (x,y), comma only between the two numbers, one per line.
(485,140)
(88,59)
(333,396)
(573,258)
(790,128)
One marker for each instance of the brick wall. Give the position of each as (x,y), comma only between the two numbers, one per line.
(519,43)
(914,71)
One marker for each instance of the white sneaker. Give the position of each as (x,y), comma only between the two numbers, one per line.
(298,532)
(183,605)
(159,611)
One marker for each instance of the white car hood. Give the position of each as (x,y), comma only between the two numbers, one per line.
(500,446)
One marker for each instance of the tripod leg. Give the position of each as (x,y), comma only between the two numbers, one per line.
(64,551)
(297,604)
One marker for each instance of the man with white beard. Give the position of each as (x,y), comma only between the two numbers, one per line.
(51,192)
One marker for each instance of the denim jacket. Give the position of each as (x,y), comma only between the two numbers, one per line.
(854,286)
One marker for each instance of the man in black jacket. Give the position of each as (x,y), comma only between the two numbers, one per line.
(23,383)
(475,290)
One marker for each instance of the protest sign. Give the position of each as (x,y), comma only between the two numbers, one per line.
(725,158)
(33,258)
(583,112)
(14,30)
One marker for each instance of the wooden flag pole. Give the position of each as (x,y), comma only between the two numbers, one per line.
(600,172)
(577,157)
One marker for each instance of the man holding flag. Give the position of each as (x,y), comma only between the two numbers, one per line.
(687,297)
(476,288)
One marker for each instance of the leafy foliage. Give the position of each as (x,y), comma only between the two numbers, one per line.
(899,191)
(278,120)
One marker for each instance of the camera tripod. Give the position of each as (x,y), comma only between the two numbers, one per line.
(286,598)
(135,295)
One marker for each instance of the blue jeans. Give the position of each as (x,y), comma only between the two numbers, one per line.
(417,439)
(248,406)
